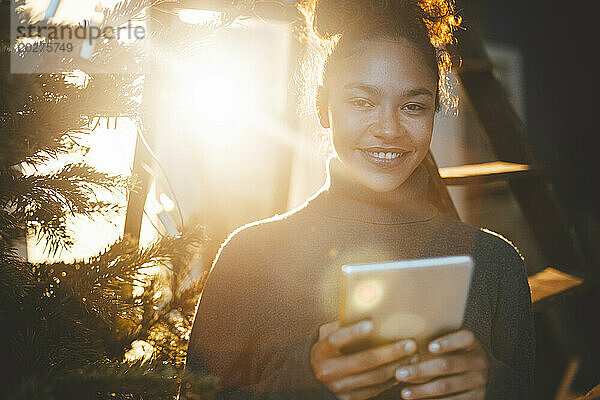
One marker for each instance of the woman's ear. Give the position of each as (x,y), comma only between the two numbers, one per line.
(322,106)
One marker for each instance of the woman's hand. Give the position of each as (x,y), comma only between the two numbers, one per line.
(457,369)
(359,375)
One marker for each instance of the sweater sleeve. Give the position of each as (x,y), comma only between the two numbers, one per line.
(512,347)
(287,375)
(234,338)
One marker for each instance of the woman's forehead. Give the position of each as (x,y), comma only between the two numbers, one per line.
(382,63)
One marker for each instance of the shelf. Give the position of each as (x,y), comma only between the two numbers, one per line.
(485,172)
(549,285)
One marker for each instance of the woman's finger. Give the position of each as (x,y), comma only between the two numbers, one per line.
(372,377)
(366,392)
(447,365)
(342,366)
(348,334)
(460,340)
(328,328)
(446,386)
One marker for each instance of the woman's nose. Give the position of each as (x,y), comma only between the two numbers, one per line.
(388,125)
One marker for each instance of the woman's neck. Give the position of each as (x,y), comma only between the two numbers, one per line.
(345,198)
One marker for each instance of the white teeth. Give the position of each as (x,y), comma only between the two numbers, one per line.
(385,156)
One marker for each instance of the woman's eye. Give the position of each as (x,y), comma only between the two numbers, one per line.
(360,102)
(414,107)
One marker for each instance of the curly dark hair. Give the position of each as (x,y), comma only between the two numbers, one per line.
(333,26)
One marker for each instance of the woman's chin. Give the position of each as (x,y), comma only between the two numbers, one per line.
(380,178)
(381,182)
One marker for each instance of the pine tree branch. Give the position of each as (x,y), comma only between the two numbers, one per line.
(48,124)
(15,277)
(62,323)
(151,382)
(43,202)
(100,279)
(127,10)
(33,123)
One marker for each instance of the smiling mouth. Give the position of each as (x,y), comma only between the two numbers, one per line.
(382,158)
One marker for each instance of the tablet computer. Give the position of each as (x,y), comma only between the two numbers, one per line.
(419,298)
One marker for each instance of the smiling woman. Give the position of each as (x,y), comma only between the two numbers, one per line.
(381,109)
(267,323)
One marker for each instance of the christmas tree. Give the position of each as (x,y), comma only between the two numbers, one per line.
(115,324)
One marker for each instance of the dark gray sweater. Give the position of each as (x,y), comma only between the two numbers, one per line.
(274,282)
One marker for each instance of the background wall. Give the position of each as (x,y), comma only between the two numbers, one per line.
(556,41)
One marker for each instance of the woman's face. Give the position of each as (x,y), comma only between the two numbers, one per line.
(380,103)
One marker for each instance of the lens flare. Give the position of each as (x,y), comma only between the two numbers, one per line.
(368,294)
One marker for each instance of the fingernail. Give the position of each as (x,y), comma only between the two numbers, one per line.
(402,373)
(365,326)
(434,347)
(409,346)
(406,393)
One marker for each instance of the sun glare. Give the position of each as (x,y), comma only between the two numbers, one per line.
(232,85)
(221,93)
(192,16)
